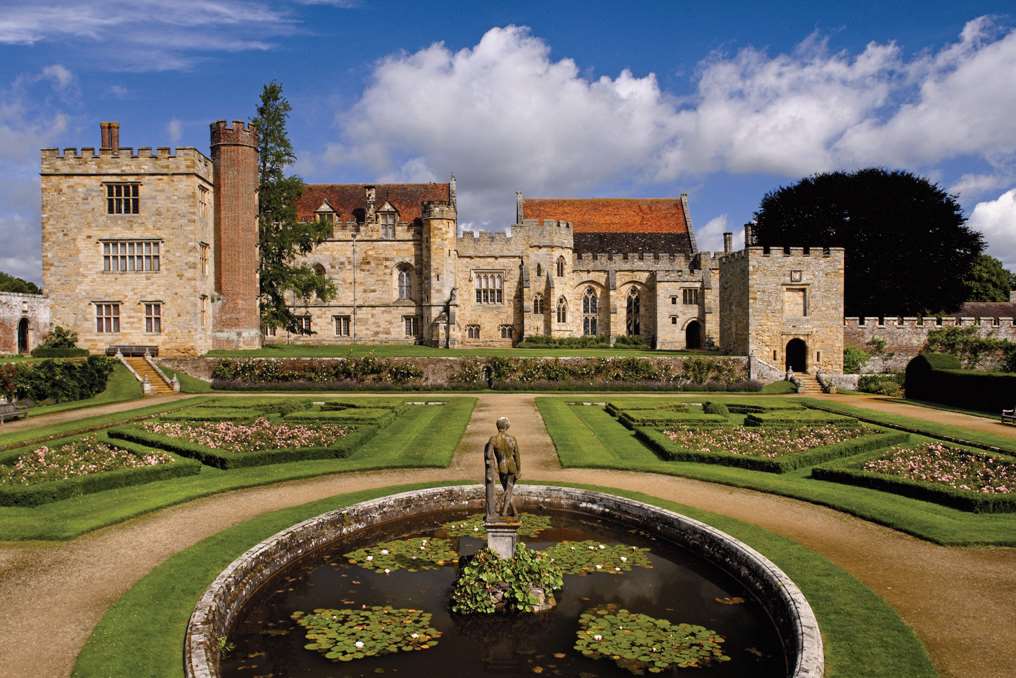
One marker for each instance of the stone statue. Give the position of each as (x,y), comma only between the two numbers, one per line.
(502,464)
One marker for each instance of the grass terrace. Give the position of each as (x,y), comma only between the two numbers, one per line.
(216,445)
(794,461)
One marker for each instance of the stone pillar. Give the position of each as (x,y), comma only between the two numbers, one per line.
(502,536)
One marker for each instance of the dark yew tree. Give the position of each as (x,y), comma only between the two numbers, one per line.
(908,249)
(283,238)
(10,283)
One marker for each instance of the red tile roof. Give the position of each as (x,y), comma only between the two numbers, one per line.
(408,199)
(611,215)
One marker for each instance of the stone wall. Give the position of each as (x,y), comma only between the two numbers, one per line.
(28,314)
(906,337)
(176,195)
(220,605)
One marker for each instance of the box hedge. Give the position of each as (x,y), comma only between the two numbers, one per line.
(851,472)
(667,418)
(937,378)
(51,352)
(226,460)
(796,418)
(56,490)
(668,450)
(352,415)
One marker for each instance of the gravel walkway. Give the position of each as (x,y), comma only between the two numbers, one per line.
(958,600)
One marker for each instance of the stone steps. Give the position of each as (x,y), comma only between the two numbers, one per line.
(159,385)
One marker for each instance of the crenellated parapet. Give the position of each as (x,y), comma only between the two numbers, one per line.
(237,133)
(926,323)
(126,161)
(546,233)
(436,209)
(636,261)
(489,244)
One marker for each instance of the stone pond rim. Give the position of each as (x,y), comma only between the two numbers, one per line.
(780,597)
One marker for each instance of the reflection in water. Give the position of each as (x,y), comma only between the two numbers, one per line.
(679,587)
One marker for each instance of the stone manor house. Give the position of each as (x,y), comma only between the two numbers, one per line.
(158,249)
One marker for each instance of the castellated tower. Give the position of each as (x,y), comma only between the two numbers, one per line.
(438,273)
(235,161)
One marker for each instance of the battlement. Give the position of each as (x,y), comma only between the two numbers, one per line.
(489,244)
(546,233)
(439,209)
(237,133)
(642,261)
(767,251)
(125,160)
(928,322)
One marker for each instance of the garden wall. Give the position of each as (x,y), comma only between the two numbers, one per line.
(906,337)
(456,373)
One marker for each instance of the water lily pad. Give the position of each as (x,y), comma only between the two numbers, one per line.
(345,635)
(639,643)
(593,557)
(420,553)
(532,526)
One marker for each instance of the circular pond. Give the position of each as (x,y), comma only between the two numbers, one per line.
(624,562)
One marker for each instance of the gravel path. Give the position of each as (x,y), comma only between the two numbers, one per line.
(958,600)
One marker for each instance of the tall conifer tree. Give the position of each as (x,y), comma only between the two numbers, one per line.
(283,238)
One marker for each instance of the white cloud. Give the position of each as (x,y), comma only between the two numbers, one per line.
(60,76)
(146,35)
(710,236)
(341,4)
(119,91)
(996,219)
(972,185)
(504,115)
(174,128)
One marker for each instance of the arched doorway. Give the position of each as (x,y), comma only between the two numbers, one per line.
(693,335)
(23,336)
(797,355)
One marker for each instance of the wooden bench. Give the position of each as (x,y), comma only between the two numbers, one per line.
(12,411)
(1009,417)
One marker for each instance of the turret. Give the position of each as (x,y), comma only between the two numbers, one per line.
(439,246)
(235,166)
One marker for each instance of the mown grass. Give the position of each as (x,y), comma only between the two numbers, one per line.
(121,387)
(142,633)
(188,383)
(421,436)
(586,436)
(415,351)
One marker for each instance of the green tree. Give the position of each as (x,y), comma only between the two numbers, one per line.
(10,283)
(989,280)
(283,238)
(908,249)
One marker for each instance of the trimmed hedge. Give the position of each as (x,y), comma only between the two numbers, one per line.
(850,472)
(212,414)
(352,415)
(936,378)
(47,352)
(881,384)
(795,418)
(57,380)
(715,408)
(618,406)
(349,372)
(58,490)
(664,418)
(750,408)
(671,451)
(228,460)
(335,405)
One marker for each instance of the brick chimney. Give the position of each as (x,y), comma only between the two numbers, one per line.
(728,242)
(109,136)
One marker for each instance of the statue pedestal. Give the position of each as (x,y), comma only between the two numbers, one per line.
(502,535)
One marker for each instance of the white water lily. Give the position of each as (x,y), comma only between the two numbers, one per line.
(384,552)
(597,637)
(624,559)
(359,644)
(599,567)
(417,635)
(370,557)
(387,571)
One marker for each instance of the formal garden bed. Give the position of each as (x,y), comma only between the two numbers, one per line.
(69,467)
(773,449)
(970,480)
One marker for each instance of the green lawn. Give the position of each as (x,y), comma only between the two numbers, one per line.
(188,384)
(413,351)
(142,633)
(121,387)
(587,436)
(421,436)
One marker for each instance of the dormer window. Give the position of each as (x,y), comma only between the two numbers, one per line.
(388,216)
(325,214)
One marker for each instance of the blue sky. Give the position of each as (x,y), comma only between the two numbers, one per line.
(723,101)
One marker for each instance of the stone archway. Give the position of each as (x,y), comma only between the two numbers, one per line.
(693,335)
(797,355)
(23,336)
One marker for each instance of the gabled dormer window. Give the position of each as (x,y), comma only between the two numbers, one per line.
(325,214)
(388,216)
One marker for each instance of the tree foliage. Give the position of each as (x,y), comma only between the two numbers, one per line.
(283,238)
(10,283)
(908,249)
(989,280)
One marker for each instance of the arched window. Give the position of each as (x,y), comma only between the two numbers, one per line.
(538,304)
(405,282)
(590,312)
(562,310)
(633,325)
(539,270)
(560,267)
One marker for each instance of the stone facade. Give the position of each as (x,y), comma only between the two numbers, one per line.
(784,306)
(570,267)
(24,321)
